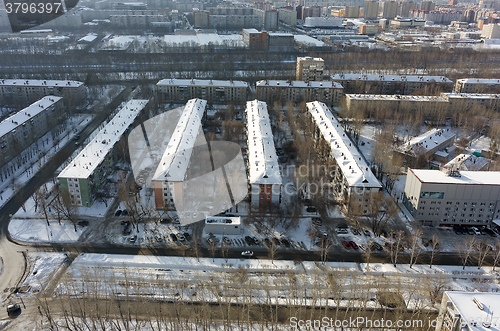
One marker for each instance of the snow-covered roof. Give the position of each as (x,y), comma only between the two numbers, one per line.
(396,97)
(252,30)
(390,78)
(233,220)
(27,114)
(479,81)
(471,311)
(298,83)
(467,162)
(280,34)
(201,82)
(84,164)
(348,158)
(421,144)
(471,96)
(88,38)
(40,83)
(262,159)
(307,40)
(466,177)
(175,159)
(209,39)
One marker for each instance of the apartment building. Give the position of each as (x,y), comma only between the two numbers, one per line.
(448,197)
(219,91)
(469,311)
(370,10)
(264,176)
(466,101)
(89,170)
(389,9)
(275,90)
(26,91)
(255,39)
(477,85)
(310,68)
(352,177)
(28,125)
(390,84)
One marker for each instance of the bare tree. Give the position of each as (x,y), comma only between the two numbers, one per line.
(496,257)
(66,207)
(483,250)
(434,248)
(415,236)
(273,248)
(465,249)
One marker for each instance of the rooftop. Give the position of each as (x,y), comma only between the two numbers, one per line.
(307,40)
(175,160)
(487,81)
(471,311)
(390,78)
(201,82)
(298,83)
(40,83)
(222,220)
(252,30)
(23,116)
(421,144)
(471,96)
(262,159)
(393,97)
(84,164)
(467,162)
(347,156)
(466,177)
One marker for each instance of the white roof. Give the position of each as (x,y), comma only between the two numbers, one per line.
(305,39)
(209,38)
(201,82)
(348,157)
(23,116)
(175,159)
(464,303)
(40,83)
(396,97)
(428,140)
(88,38)
(471,96)
(467,162)
(252,30)
(466,177)
(479,81)
(223,220)
(309,58)
(262,159)
(84,164)
(298,83)
(390,78)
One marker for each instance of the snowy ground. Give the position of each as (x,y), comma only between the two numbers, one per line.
(43,266)
(37,230)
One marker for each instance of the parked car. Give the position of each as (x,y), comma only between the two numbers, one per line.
(311,209)
(118,212)
(353,244)
(367,233)
(476,231)
(249,240)
(376,246)
(174,237)
(124,222)
(226,241)
(132,239)
(181,237)
(275,240)
(83,223)
(346,244)
(317,221)
(125,212)
(187,236)
(247,253)
(457,229)
(341,231)
(13,308)
(355,231)
(285,242)
(471,231)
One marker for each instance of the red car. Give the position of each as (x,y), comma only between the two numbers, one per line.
(83,223)
(353,244)
(346,244)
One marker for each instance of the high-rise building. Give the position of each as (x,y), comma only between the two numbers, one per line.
(390,9)
(201,19)
(352,11)
(310,68)
(427,5)
(371,10)
(269,19)
(405,8)
(311,11)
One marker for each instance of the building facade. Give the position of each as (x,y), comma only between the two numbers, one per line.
(264,176)
(287,16)
(370,10)
(310,68)
(28,91)
(467,101)
(219,91)
(389,9)
(447,197)
(25,127)
(477,85)
(223,225)
(255,39)
(88,172)
(297,91)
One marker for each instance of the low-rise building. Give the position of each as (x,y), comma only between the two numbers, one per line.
(223,225)
(468,162)
(352,178)
(323,91)
(309,68)
(255,39)
(264,176)
(403,103)
(280,41)
(220,91)
(390,84)
(469,311)
(28,91)
(28,125)
(477,85)
(448,197)
(466,101)
(87,173)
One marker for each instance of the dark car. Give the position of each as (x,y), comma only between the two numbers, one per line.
(311,209)
(249,241)
(276,241)
(285,242)
(317,221)
(490,232)
(355,231)
(174,237)
(13,308)
(118,212)
(187,236)
(457,230)
(125,212)
(376,246)
(124,222)
(267,242)
(83,223)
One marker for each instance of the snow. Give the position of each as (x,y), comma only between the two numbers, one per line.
(390,78)
(88,38)
(262,159)
(396,97)
(471,96)
(201,82)
(464,303)
(428,140)
(40,83)
(305,39)
(466,177)
(37,230)
(44,266)
(94,153)
(486,81)
(298,83)
(349,159)
(483,143)
(27,114)
(467,162)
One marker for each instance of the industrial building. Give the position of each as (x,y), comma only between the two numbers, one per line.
(220,91)
(264,176)
(447,197)
(276,90)
(87,173)
(352,177)
(28,125)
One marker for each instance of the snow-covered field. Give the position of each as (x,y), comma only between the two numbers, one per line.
(37,230)
(43,268)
